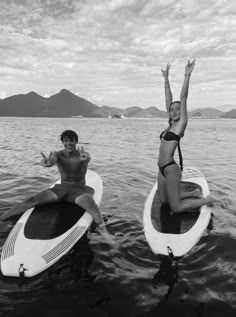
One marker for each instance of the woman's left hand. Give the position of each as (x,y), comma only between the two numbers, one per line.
(165,72)
(189,67)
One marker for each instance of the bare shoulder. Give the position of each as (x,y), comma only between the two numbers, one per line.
(56,153)
(59,154)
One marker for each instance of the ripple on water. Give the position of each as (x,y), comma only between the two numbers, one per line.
(124,153)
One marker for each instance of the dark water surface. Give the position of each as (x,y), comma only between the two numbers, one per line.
(100,278)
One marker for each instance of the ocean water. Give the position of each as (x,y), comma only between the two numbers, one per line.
(118,278)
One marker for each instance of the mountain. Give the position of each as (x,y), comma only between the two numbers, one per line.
(205,113)
(132,111)
(226,107)
(22,105)
(229,114)
(66,104)
(63,104)
(104,111)
(151,112)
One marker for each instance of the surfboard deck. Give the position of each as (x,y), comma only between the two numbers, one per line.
(179,232)
(43,234)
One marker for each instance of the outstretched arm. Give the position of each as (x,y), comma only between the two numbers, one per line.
(168,94)
(184,92)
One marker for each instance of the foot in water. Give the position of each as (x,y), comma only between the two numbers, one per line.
(94,225)
(210,202)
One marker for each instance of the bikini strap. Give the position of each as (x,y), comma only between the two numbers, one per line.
(180,157)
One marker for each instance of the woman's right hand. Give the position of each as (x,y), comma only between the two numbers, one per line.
(165,72)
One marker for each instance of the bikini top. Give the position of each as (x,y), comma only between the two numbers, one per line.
(171,136)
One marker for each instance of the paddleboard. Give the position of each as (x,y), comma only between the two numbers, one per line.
(167,232)
(43,234)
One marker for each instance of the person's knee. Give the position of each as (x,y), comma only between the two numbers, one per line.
(86,200)
(31,200)
(176,208)
(162,197)
(163,201)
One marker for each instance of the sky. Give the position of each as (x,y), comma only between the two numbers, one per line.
(111,52)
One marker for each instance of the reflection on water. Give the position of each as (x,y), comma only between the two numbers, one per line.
(167,273)
(116,280)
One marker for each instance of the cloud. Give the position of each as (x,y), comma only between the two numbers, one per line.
(115,48)
(3,94)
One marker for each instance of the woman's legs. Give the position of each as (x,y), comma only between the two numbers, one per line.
(163,193)
(196,193)
(44,197)
(173,179)
(161,182)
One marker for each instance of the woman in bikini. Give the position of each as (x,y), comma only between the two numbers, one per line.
(169,176)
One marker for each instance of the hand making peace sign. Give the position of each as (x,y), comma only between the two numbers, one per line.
(84,156)
(46,161)
(165,72)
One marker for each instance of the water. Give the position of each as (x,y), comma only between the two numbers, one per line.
(124,153)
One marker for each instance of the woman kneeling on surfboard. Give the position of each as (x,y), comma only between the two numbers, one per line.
(169,176)
(72,164)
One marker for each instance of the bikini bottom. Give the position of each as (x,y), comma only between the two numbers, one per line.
(162,168)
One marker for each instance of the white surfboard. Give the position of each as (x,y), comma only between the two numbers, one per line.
(45,233)
(159,239)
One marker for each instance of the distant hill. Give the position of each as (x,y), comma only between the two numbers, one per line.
(27,105)
(131,111)
(66,104)
(229,114)
(226,107)
(151,112)
(205,113)
(104,111)
(63,104)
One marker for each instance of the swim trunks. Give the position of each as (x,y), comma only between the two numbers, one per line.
(69,193)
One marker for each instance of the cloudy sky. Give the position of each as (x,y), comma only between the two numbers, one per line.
(111,52)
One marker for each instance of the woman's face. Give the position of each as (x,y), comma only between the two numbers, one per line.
(175,111)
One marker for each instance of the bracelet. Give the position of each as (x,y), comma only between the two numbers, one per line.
(187,75)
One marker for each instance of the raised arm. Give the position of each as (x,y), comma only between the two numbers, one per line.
(168,94)
(184,92)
